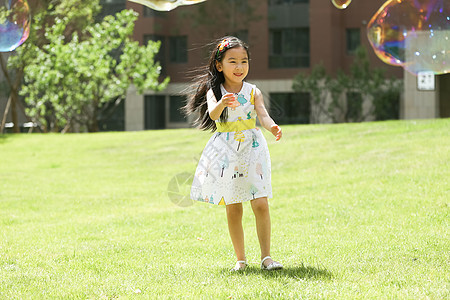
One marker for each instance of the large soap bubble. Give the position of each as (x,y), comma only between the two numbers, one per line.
(166,5)
(413,34)
(341,4)
(14,24)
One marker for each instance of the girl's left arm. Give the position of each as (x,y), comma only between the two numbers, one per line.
(266,121)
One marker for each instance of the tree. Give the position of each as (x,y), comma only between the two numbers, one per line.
(69,82)
(77,12)
(340,98)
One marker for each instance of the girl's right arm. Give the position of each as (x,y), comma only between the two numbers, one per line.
(215,107)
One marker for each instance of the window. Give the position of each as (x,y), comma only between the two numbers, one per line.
(354,107)
(155,112)
(278,2)
(290,108)
(353,39)
(112,116)
(289,48)
(110,7)
(161,55)
(178,49)
(175,115)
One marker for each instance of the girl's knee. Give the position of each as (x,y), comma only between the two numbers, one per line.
(260,206)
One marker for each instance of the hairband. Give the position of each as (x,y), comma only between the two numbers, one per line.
(225,43)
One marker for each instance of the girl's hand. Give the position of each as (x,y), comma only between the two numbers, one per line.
(229,100)
(276,131)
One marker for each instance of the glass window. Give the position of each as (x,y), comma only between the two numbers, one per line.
(175,115)
(290,108)
(112,117)
(161,55)
(289,48)
(155,112)
(353,39)
(178,49)
(110,7)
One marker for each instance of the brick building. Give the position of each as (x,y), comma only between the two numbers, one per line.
(285,37)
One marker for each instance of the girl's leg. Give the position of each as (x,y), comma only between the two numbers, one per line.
(234,217)
(260,208)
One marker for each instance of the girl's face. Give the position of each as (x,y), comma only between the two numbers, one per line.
(234,65)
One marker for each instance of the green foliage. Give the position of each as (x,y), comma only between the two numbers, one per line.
(360,211)
(78,13)
(73,65)
(331,95)
(386,106)
(4,14)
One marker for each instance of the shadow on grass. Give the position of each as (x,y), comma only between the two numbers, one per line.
(297,272)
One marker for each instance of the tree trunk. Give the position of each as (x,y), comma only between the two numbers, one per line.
(14,116)
(14,92)
(5,114)
(93,124)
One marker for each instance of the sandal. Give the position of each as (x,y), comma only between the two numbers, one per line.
(274,265)
(239,267)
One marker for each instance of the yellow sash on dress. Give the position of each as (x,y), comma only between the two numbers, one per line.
(236,126)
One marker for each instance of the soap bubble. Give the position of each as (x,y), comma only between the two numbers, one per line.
(14,24)
(413,34)
(341,4)
(166,5)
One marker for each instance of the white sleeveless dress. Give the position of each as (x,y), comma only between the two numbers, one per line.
(234,166)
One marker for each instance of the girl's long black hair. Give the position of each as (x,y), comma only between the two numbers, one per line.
(210,78)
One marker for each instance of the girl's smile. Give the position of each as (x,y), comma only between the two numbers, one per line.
(234,66)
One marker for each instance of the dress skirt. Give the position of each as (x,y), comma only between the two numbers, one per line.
(233,168)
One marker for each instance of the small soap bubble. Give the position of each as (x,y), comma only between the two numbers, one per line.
(14,24)
(341,4)
(412,34)
(165,5)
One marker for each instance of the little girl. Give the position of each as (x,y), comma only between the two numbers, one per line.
(235,164)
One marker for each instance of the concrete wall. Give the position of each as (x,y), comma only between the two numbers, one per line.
(422,54)
(419,104)
(134,110)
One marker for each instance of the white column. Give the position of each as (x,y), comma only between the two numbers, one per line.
(134,110)
(419,104)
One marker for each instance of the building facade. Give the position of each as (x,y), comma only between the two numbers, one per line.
(285,37)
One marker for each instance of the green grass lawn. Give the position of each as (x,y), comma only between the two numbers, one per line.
(359,211)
